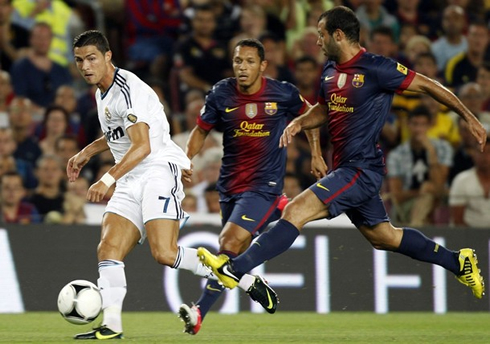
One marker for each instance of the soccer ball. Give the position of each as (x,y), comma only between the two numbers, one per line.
(80,302)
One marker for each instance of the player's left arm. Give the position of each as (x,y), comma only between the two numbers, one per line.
(423,84)
(140,148)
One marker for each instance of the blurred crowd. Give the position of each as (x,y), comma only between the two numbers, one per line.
(436,175)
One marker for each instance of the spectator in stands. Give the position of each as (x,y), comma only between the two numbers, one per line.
(307,72)
(74,202)
(253,23)
(426,64)
(453,41)
(66,98)
(65,147)
(24,168)
(150,34)
(483,79)
(60,17)
(227,15)
(462,159)
(463,67)
(207,172)
(13,208)
(471,94)
(36,76)
(292,185)
(443,123)
(469,194)
(189,203)
(48,196)
(12,36)
(55,124)
(201,59)
(306,45)
(21,122)
(276,59)
(417,172)
(211,196)
(382,42)
(5,97)
(415,46)
(372,14)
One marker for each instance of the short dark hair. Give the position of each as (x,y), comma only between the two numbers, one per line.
(253,43)
(12,174)
(427,55)
(52,108)
(92,37)
(305,59)
(342,18)
(383,31)
(420,111)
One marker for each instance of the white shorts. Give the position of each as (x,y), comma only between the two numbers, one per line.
(156,194)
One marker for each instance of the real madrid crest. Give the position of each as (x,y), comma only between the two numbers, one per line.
(270,108)
(358,80)
(132,118)
(251,110)
(107,114)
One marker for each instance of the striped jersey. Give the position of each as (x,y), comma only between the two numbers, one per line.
(129,101)
(358,95)
(251,126)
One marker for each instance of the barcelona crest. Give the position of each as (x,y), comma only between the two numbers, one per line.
(358,80)
(270,108)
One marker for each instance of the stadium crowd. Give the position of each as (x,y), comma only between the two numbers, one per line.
(435,174)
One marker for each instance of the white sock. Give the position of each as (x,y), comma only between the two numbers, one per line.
(246,282)
(187,259)
(112,285)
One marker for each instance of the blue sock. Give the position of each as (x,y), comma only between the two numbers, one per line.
(212,291)
(417,246)
(269,245)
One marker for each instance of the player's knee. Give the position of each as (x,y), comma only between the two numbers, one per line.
(231,243)
(164,257)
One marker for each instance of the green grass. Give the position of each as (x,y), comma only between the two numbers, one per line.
(284,327)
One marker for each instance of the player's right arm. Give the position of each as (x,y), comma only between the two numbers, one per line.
(194,145)
(80,159)
(313,118)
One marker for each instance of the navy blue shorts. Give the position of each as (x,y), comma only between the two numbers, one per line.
(354,192)
(250,210)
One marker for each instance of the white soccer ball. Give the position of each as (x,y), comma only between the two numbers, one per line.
(80,302)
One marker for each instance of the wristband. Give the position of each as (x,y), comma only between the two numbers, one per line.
(107,179)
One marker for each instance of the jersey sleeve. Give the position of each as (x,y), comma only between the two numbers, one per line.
(135,107)
(209,115)
(393,76)
(296,104)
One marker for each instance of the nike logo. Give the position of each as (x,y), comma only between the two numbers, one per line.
(208,287)
(329,77)
(244,217)
(99,335)
(225,271)
(232,109)
(270,305)
(321,186)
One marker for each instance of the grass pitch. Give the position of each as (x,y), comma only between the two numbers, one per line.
(283,327)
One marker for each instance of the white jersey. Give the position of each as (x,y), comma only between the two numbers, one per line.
(129,101)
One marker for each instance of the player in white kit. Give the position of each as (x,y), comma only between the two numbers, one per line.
(147,200)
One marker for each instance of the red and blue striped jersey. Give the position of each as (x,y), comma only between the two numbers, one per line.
(251,126)
(358,94)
